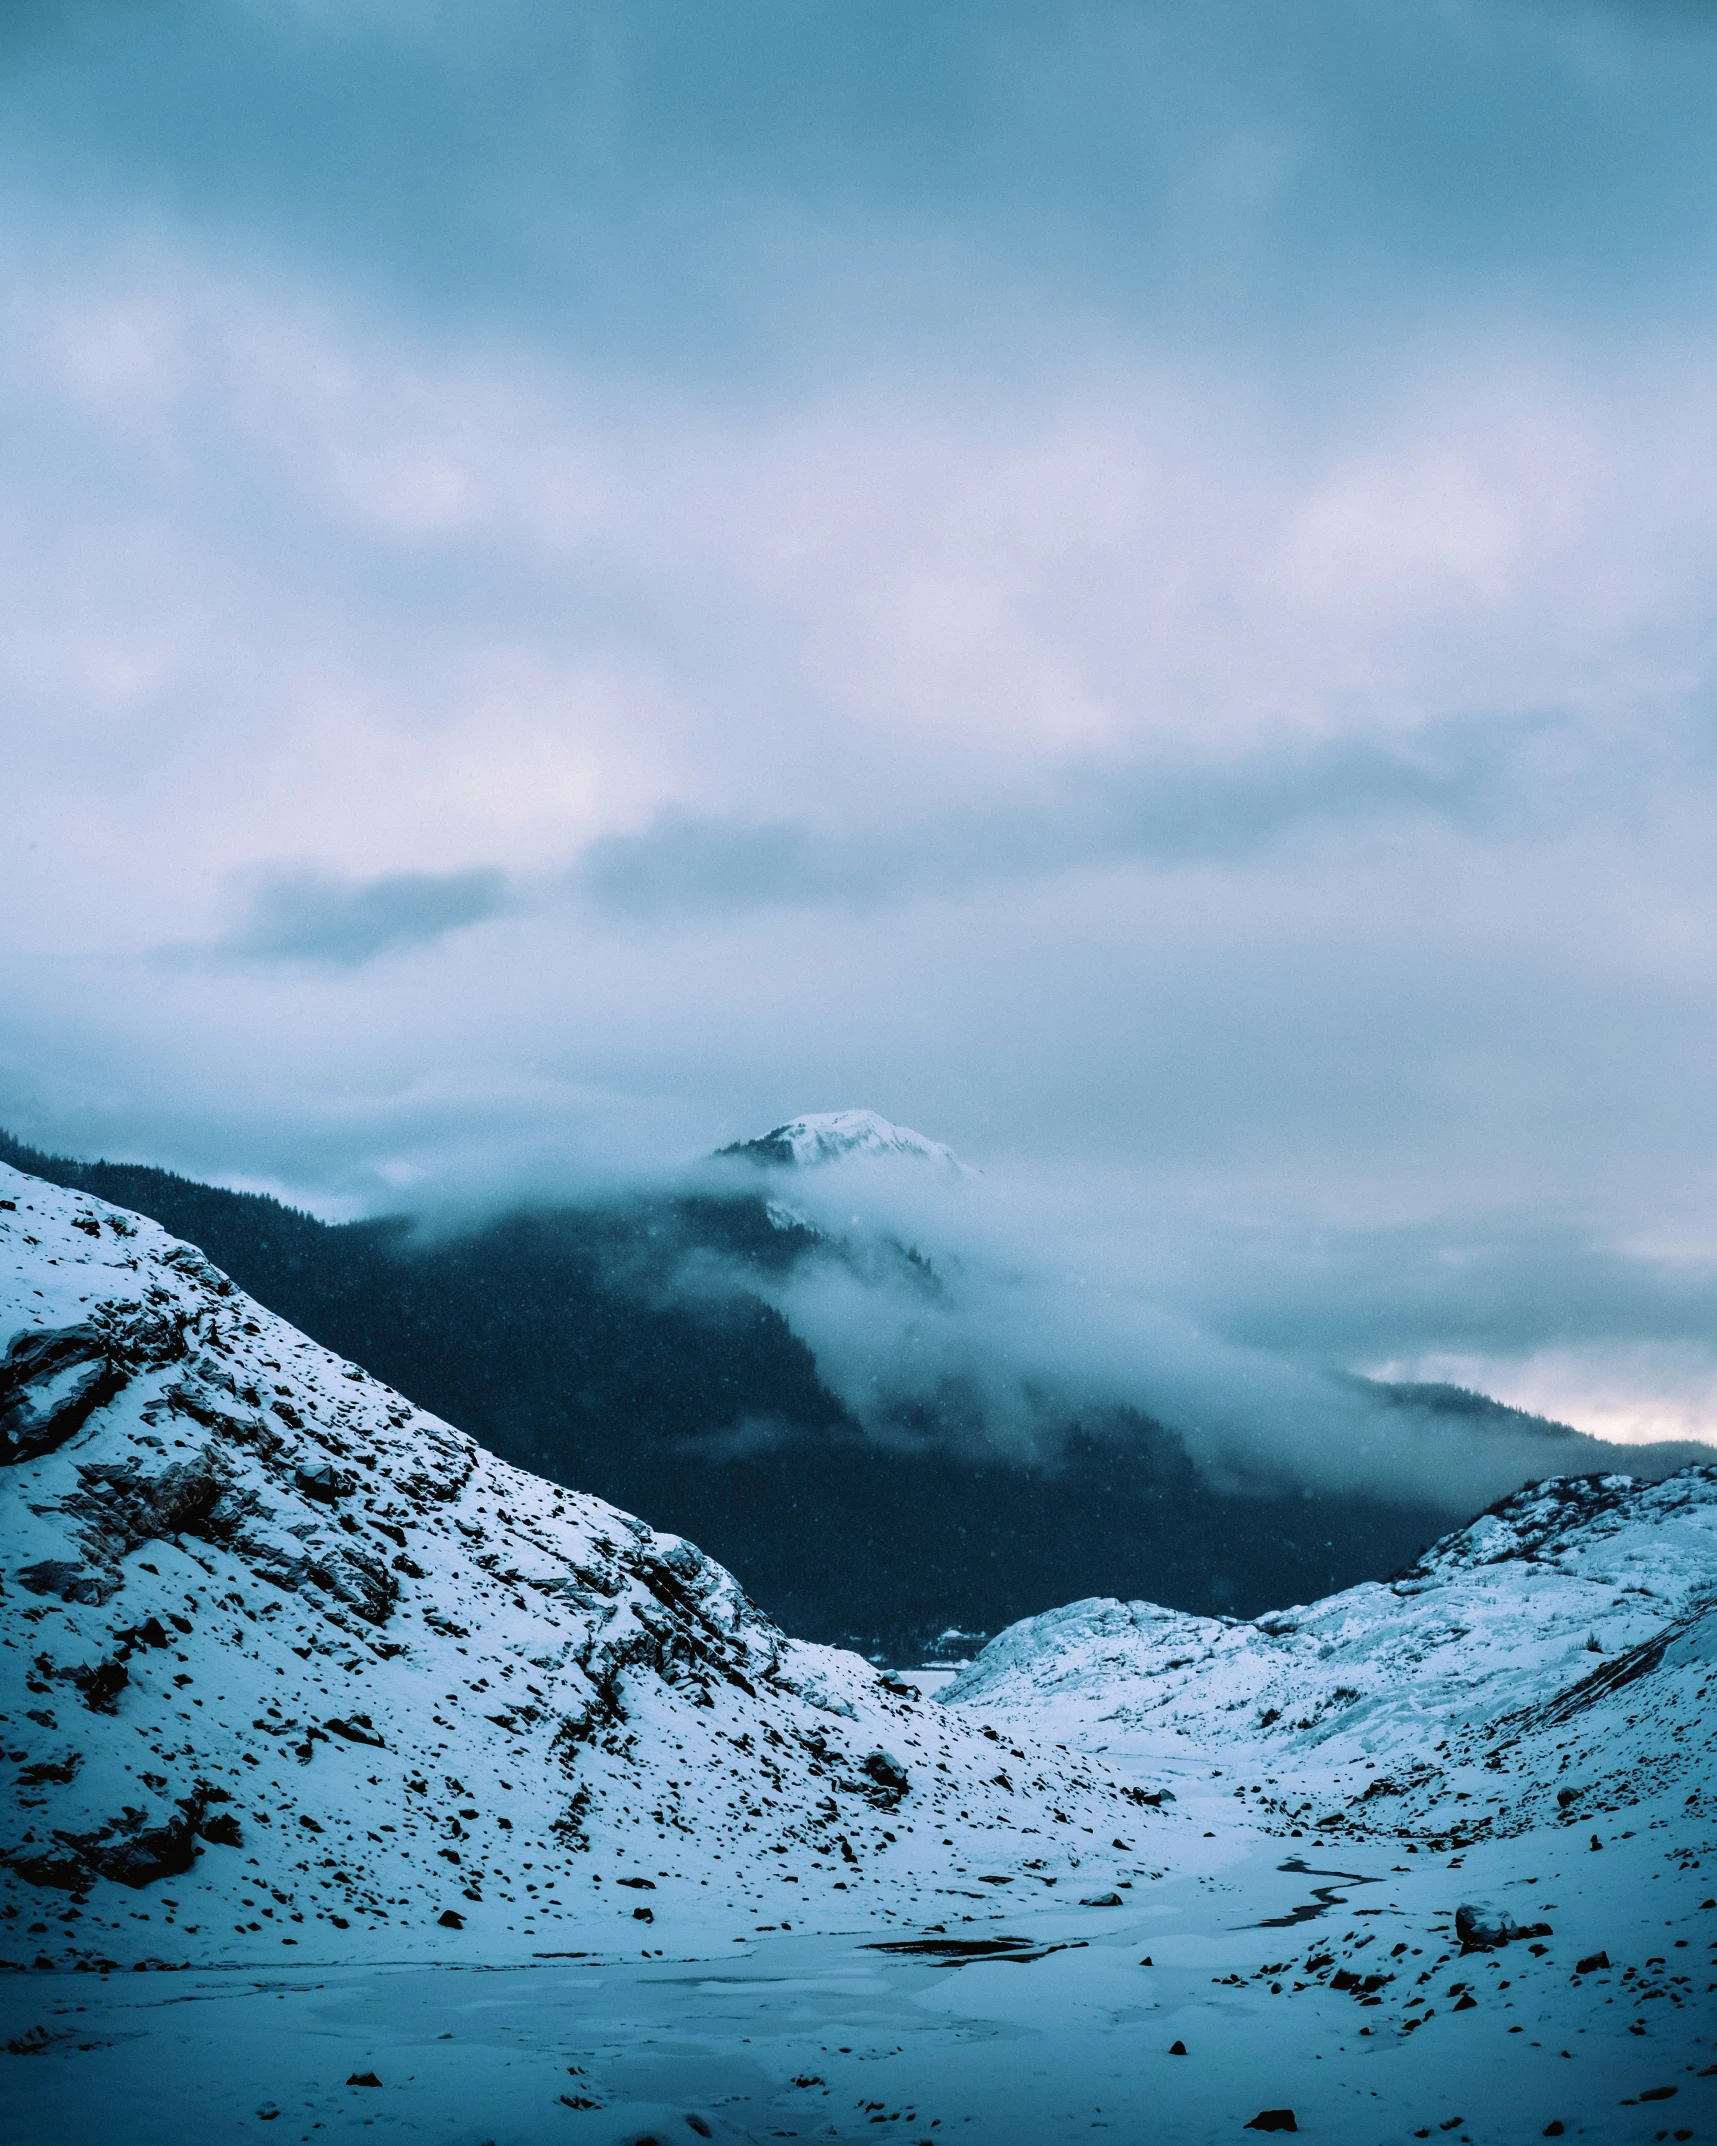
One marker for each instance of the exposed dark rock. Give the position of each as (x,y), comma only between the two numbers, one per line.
(32,2042)
(99,1682)
(1481,1933)
(357,1731)
(363,2078)
(120,1507)
(355,1575)
(323,1482)
(451,1919)
(1177,2049)
(151,1633)
(50,1772)
(52,1380)
(1591,1963)
(128,1849)
(59,1576)
(889,1775)
(141,1858)
(65,1873)
(1273,2120)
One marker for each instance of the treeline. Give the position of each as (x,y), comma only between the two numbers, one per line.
(568,1341)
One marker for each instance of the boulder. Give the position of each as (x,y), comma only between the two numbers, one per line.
(1481,1931)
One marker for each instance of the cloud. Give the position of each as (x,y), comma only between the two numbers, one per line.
(309,916)
(990,1315)
(1137,594)
(1170,814)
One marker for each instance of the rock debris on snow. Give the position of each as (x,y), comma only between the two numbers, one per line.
(271,1633)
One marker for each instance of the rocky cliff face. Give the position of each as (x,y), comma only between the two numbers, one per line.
(286,1662)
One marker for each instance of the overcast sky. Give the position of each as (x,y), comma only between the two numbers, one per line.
(1131,586)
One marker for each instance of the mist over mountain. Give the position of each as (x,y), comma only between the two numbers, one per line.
(881,1425)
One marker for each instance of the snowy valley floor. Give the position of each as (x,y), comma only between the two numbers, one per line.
(800,2035)
(356,1781)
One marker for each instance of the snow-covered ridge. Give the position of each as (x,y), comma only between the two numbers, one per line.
(1532,1617)
(287,1662)
(835,1136)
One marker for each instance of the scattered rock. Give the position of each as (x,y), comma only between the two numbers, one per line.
(1273,2120)
(150,1633)
(32,2043)
(363,2078)
(1479,1934)
(888,1772)
(359,1730)
(451,1919)
(1592,1962)
(127,1849)
(1102,1900)
(56,1773)
(323,1482)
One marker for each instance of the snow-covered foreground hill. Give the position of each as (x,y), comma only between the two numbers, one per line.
(289,1665)
(430,1799)
(1519,1673)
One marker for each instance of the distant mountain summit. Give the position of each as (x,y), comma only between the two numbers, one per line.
(832,1135)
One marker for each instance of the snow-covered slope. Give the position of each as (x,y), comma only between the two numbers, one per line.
(835,1135)
(289,1667)
(1506,1679)
(293,1674)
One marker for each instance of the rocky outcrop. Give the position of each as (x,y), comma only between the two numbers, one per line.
(52,1380)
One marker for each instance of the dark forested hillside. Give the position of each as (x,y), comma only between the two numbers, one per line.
(565,1340)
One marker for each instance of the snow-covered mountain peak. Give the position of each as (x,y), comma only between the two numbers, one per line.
(835,1135)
